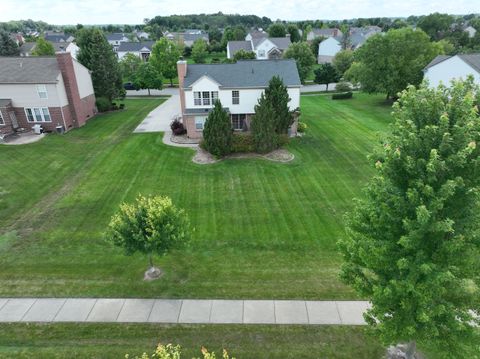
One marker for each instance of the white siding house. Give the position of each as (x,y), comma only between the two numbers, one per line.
(328,49)
(444,69)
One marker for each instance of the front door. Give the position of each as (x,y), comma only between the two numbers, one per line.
(13,118)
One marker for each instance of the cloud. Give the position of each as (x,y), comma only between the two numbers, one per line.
(133,12)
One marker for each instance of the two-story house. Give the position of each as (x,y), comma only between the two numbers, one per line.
(238,86)
(47,91)
(116,39)
(264,47)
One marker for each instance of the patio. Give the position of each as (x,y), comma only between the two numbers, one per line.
(22,138)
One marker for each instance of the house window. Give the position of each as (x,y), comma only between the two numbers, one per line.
(42,91)
(206,98)
(199,122)
(214,96)
(238,121)
(235,97)
(197,98)
(38,114)
(2,121)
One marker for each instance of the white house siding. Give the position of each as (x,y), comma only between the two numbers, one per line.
(248,97)
(263,48)
(447,70)
(84,80)
(26,95)
(329,47)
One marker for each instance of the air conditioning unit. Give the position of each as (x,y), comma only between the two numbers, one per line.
(37,129)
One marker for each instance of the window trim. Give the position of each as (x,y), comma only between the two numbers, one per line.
(33,118)
(241,118)
(42,89)
(235,99)
(203,119)
(205,98)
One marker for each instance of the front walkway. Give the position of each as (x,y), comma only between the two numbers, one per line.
(182,311)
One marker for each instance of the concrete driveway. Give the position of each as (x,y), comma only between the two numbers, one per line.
(160,118)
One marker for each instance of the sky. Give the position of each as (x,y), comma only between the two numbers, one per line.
(61,12)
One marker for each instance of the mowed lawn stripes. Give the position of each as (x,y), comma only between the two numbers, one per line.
(262,229)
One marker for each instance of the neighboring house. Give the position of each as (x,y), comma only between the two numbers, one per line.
(366,31)
(444,69)
(27,48)
(116,39)
(327,49)
(323,33)
(142,35)
(47,91)
(256,34)
(18,38)
(470,30)
(238,86)
(58,37)
(265,48)
(190,36)
(140,49)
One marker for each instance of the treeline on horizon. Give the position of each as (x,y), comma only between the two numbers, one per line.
(221,21)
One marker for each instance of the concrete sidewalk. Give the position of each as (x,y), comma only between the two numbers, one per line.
(182,311)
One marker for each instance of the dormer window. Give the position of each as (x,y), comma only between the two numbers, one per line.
(42,91)
(206,98)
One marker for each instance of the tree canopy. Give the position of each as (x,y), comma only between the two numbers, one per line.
(302,54)
(413,242)
(342,61)
(277,30)
(199,51)
(129,65)
(244,55)
(43,48)
(164,57)
(98,56)
(326,74)
(388,63)
(8,47)
(147,77)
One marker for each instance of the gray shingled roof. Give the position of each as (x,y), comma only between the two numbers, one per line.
(437,60)
(135,46)
(327,32)
(245,74)
(281,42)
(27,47)
(257,34)
(471,59)
(357,39)
(115,36)
(39,70)
(235,46)
(192,37)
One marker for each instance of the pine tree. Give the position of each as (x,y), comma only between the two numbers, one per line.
(8,47)
(263,126)
(217,132)
(98,56)
(413,242)
(277,94)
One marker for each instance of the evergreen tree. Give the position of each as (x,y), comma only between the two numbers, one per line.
(98,56)
(277,95)
(165,55)
(413,242)
(217,132)
(43,48)
(263,126)
(8,47)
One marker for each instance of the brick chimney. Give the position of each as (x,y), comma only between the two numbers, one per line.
(181,71)
(65,63)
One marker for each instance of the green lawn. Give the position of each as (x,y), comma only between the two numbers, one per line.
(262,229)
(254,341)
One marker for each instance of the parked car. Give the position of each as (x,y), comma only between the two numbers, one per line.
(129,86)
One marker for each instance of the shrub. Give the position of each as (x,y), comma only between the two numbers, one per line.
(177,128)
(342,96)
(282,140)
(122,106)
(114,107)
(242,142)
(343,87)
(103,104)
(302,126)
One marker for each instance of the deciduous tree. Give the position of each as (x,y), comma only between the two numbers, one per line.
(277,30)
(129,66)
(8,47)
(413,242)
(43,48)
(147,77)
(244,55)
(326,74)
(164,57)
(199,51)
(300,51)
(342,61)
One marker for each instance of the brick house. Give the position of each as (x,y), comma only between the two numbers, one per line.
(238,86)
(50,91)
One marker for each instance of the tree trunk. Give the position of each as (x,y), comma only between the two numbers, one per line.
(326,90)
(411,350)
(388,96)
(150,260)
(171,82)
(148,92)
